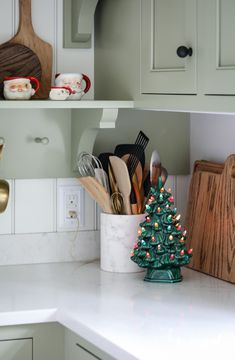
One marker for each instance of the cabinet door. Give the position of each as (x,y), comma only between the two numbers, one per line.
(84,354)
(17,349)
(77,348)
(216,49)
(166,25)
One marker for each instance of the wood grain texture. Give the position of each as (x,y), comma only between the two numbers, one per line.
(18,60)
(97,192)
(26,36)
(210,219)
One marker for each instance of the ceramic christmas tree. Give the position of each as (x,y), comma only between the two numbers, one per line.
(161,245)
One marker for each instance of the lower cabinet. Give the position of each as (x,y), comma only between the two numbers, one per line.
(76,348)
(50,341)
(32,342)
(17,349)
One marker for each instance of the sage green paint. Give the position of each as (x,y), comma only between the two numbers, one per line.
(168,133)
(43,341)
(118,44)
(78,22)
(19,349)
(22,157)
(123,38)
(78,348)
(217,53)
(166,25)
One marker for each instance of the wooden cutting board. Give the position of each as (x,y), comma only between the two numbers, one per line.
(18,60)
(26,36)
(210,219)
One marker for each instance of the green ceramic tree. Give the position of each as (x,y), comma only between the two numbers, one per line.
(161,245)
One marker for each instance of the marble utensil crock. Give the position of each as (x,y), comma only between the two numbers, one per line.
(118,234)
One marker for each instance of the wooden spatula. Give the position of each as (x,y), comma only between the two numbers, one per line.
(26,36)
(97,192)
(136,177)
(123,180)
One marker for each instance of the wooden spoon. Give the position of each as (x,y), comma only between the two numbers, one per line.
(123,180)
(97,192)
(136,180)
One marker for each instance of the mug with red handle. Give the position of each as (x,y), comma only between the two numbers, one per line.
(75,82)
(20,87)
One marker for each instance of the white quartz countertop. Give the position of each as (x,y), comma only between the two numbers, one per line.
(123,315)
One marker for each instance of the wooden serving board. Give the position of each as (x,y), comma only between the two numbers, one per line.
(210,218)
(26,36)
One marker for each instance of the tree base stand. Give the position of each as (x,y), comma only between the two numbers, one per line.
(170,275)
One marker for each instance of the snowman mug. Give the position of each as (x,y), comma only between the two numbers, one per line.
(74,82)
(19,87)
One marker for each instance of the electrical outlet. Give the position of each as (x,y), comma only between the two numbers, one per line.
(70,205)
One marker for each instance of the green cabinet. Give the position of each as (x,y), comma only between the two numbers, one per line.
(144,63)
(76,348)
(206,27)
(32,342)
(216,51)
(165,26)
(16,349)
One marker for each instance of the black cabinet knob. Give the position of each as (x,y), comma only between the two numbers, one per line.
(183,51)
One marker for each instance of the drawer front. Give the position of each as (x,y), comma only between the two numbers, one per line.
(16,349)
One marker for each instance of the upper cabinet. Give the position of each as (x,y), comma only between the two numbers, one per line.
(167,54)
(216,52)
(168,46)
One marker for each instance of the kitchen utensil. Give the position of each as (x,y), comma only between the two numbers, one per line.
(136,149)
(116,197)
(102,177)
(87,163)
(4,195)
(155,168)
(97,192)
(164,175)
(210,220)
(131,149)
(90,165)
(123,180)
(104,159)
(18,60)
(146,188)
(136,177)
(141,142)
(26,36)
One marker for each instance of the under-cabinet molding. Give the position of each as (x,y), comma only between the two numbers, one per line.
(78,23)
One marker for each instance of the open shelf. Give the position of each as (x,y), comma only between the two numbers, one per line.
(75,104)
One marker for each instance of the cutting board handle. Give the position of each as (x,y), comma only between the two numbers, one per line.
(229,168)
(25,19)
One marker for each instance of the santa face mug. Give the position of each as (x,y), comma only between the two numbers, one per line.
(60,93)
(74,82)
(20,88)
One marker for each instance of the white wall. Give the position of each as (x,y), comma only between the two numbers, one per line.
(212,137)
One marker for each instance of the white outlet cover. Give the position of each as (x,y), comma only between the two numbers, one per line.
(70,197)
